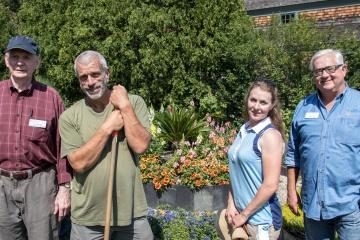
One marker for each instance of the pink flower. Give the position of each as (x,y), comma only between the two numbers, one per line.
(208,119)
(227,124)
(192,153)
(182,159)
(222,130)
(212,123)
(179,151)
(212,135)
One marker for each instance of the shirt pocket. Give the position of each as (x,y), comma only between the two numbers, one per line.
(36,134)
(348,130)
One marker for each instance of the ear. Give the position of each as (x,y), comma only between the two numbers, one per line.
(344,68)
(38,62)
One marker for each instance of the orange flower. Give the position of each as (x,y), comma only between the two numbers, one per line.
(157,185)
(198,183)
(165,180)
(195,176)
(214,173)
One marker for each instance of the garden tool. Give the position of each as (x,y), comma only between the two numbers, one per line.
(114,151)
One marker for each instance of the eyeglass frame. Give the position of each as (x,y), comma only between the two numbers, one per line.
(320,71)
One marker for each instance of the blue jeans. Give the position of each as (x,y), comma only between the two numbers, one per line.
(346,226)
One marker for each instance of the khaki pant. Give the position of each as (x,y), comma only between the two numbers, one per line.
(27,206)
(254,232)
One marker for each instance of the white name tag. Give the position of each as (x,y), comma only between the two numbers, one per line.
(37,123)
(312,115)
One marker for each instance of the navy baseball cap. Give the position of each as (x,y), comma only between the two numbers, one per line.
(23,42)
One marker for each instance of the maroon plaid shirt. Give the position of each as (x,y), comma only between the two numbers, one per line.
(26,143)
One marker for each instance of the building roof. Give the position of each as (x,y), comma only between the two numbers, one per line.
(262,4)
(268,7)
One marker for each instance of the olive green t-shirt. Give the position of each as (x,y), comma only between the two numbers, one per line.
(89,190)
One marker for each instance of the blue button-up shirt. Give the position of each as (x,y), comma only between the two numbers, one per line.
(325,145)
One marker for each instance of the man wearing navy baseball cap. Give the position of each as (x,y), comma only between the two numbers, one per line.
(34,179)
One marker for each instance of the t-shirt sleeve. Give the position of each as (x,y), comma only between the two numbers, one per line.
(69,132)
(142,112)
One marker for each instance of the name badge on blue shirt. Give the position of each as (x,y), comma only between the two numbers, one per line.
(312,115)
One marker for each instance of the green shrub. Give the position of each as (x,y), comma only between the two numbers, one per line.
(179,124)
(292,223)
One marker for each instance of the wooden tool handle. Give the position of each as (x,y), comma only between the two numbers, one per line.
(110,185)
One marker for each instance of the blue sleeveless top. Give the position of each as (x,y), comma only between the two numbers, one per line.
(246,174)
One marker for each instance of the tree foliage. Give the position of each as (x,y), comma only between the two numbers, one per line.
(169,51)
(7,27)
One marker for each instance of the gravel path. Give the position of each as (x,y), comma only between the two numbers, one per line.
(282,192)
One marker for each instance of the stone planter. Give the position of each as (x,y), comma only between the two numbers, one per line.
(209,198)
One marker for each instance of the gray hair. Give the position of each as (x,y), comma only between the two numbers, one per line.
(338,56)
(86,56)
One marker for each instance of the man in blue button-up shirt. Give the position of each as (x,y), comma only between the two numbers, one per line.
(324,145)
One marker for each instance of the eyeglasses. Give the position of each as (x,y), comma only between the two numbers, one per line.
(329,69)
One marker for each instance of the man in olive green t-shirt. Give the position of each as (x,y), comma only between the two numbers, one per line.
(85,130)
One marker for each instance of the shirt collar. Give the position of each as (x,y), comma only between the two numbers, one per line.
(339,97)
(28,91)
(257,128)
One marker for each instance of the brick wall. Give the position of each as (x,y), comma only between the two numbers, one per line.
(333,14)
(339,14)
(262,21)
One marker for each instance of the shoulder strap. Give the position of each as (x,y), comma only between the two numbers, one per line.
(257,137)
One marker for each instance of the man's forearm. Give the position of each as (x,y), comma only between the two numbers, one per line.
(85,157)
(292,177)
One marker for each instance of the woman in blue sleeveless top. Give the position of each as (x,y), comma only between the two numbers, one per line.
(255,161)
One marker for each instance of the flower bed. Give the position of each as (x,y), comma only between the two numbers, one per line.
(179,224)
(194,165)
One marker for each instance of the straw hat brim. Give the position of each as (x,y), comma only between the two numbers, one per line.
(225,231)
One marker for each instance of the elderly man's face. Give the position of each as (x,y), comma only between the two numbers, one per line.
(21,64)
(92,79)
(329,76)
